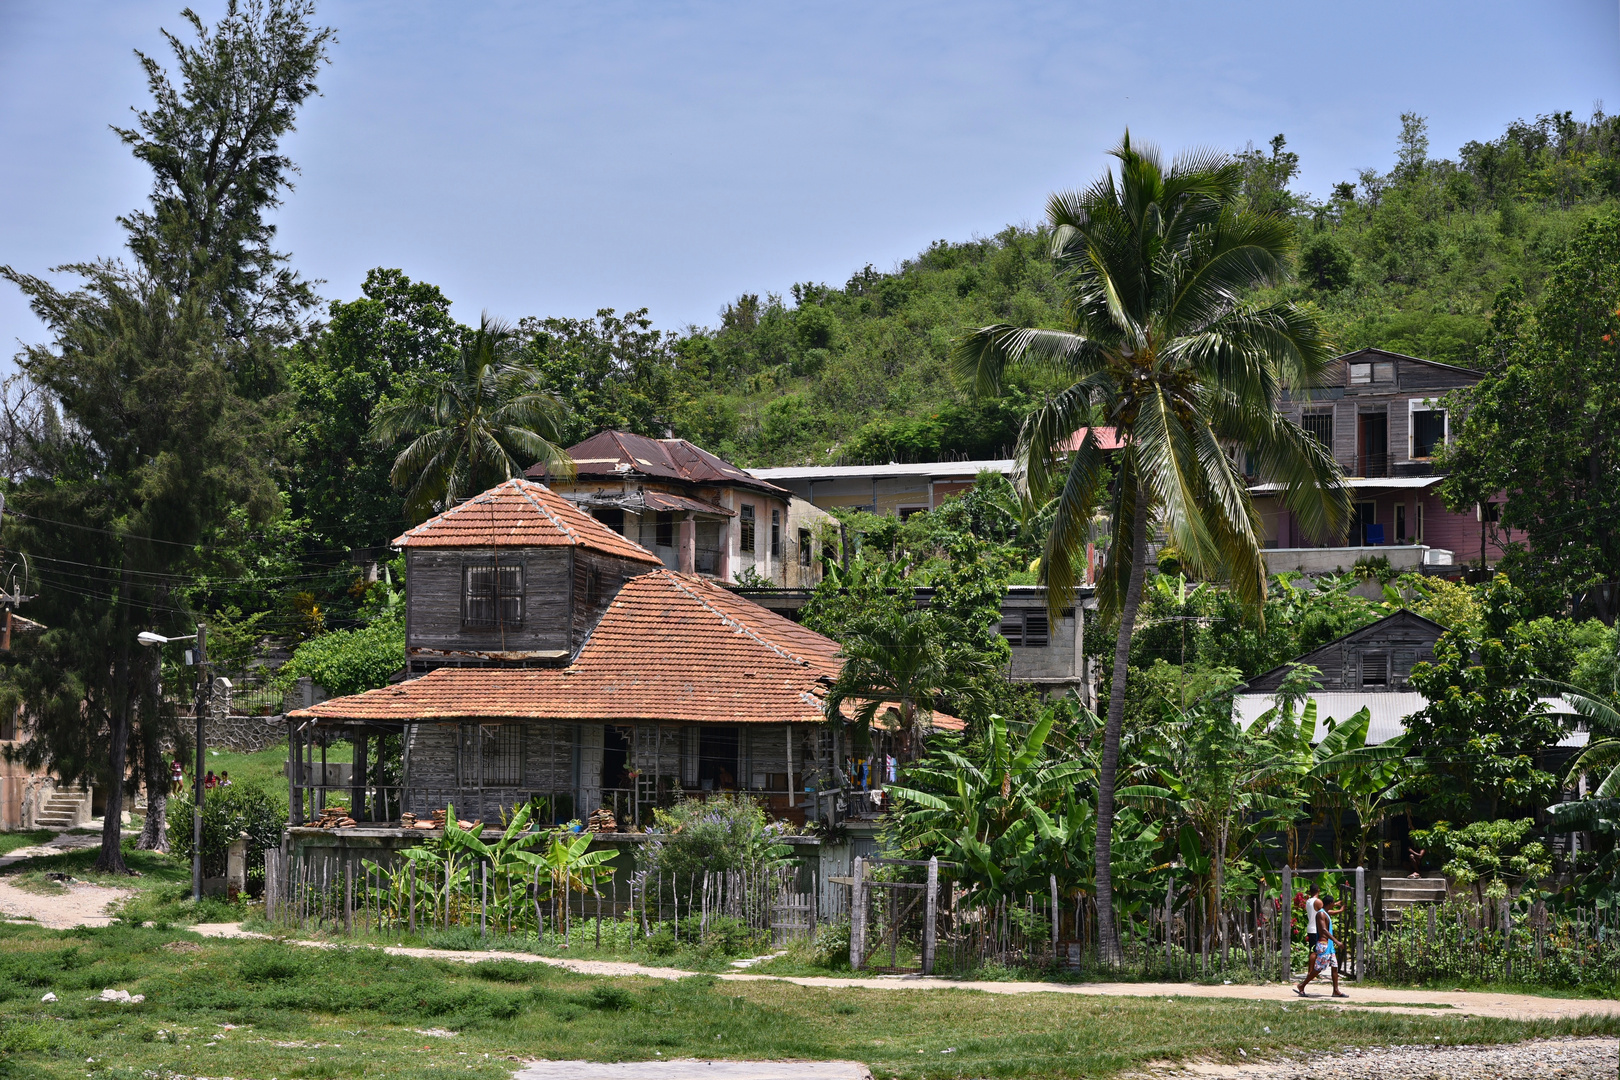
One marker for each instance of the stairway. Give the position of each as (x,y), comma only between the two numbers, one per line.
(64,810)
(1401,893)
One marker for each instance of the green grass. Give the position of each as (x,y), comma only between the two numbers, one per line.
(11,841)
(266,769)
(303,1012)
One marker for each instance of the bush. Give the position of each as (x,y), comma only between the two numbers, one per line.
(349,661)
(228,813)
(713,835)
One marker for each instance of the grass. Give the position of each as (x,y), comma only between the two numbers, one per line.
(260,1009)
(266,769)
(11,841)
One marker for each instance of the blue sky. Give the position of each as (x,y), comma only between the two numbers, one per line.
(554,158)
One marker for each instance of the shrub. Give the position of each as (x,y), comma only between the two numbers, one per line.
(227,813)
(713,835)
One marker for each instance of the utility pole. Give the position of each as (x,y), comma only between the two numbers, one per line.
(204,685)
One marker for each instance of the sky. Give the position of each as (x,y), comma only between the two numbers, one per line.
(556,158)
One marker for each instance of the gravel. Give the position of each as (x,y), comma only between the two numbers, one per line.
(1547,1059)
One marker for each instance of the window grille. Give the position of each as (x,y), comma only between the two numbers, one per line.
(491,755)
(746,530)
(1319,424)
(1428,431)
(1026,629)
(776,534)
(492,592)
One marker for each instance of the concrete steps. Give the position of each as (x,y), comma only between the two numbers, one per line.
(64,810)
(1402,893)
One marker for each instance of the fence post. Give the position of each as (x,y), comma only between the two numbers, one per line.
(1285,928)
(1169,915)
(1052,878)
(930,909)
(413,896)
(483,900)
(857,915)
(348,895)
(1361,921)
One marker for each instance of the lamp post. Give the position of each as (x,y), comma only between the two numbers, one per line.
(146,637)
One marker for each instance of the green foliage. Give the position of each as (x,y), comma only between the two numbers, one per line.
(227,813)
(1492,856)
(1483,727)
(715,834)
(349,661)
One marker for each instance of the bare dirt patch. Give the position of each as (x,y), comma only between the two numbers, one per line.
(77,904)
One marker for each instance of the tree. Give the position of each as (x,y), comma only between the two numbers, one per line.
(1542,430)
(159,447)
(899,663)
(373,350)
(486,422)
(214,146)
(1484,724)
(1161,346)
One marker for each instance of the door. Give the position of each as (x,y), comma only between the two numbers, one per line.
(1372,444)
(1366,514)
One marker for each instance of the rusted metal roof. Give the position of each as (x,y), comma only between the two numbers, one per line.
(619,454)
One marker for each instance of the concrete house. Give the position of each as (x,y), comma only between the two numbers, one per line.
(698,513)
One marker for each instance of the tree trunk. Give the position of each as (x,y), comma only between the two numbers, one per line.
(111,859)
(155,831)
(1107,933)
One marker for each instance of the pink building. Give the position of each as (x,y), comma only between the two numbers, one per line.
(1385,417)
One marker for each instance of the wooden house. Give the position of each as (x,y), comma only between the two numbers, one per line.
(677,686)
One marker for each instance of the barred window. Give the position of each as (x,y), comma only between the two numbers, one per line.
(1319,424)
(491,755)
(807,548)
(492,592)
(776,534)
(745,542)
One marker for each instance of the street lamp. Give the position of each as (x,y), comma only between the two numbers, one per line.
(146,637)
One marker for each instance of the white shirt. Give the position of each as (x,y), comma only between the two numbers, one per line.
(1313,904)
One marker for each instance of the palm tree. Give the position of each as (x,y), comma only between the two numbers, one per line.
(484,424)
(1162,346)
(900,661)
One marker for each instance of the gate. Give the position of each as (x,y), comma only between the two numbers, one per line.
(893,922)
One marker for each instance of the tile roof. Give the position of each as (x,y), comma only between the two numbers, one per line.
(521,513)
(617,454)
(671,647)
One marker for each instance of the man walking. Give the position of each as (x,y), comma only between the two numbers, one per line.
(1324,953)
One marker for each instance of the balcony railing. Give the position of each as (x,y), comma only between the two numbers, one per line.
(1369,465)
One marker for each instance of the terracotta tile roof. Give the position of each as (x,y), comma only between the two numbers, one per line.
(617,454)
(671,647)
(521,513)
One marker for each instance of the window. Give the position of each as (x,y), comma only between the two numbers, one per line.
(1026,629)
(1318,423)
(1400,523)
(491,755)
(1490,511)
(776,534)
(1417,522)
(745,541)
(664,529)
(806,548)
(492,592)
(611,516)
(1375,670)
(1382,371)
(1428,431)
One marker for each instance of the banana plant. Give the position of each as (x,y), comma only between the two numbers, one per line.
(566,867)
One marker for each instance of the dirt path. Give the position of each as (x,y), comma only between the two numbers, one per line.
(1471,1003)
(80,904)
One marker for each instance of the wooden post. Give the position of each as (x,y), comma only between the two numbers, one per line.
(413,896)
(1052,878)
(483,900)
(1361,921)
(1169,915)
(857,915)
(930,910)
(348,895)
(789,729)
(1285,928)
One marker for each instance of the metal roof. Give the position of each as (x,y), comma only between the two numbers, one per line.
(1387,711)
(926,469)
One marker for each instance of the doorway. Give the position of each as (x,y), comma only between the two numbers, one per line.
(1366,518)
(615,757)
(1372,444)
(717,759)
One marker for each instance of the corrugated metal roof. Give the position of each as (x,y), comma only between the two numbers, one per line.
(926,469)
(616,454)
(1387,711)
(1404,483)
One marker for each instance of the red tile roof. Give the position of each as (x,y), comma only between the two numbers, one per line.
(671,647)
(616,454)
(521,513)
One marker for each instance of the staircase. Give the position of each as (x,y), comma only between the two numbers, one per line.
(1401,893)
(64,810)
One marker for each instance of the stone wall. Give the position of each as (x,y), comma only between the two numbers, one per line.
(244,734)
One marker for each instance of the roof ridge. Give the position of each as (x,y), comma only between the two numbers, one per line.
(734,623)
(522,489)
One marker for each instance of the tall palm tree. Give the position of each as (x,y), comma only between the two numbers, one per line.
(486,423)
(1162,346)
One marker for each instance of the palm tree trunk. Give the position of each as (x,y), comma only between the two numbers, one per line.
(1107,932)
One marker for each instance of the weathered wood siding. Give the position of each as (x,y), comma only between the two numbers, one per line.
(1404,638)
(434,596)
(597,579)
